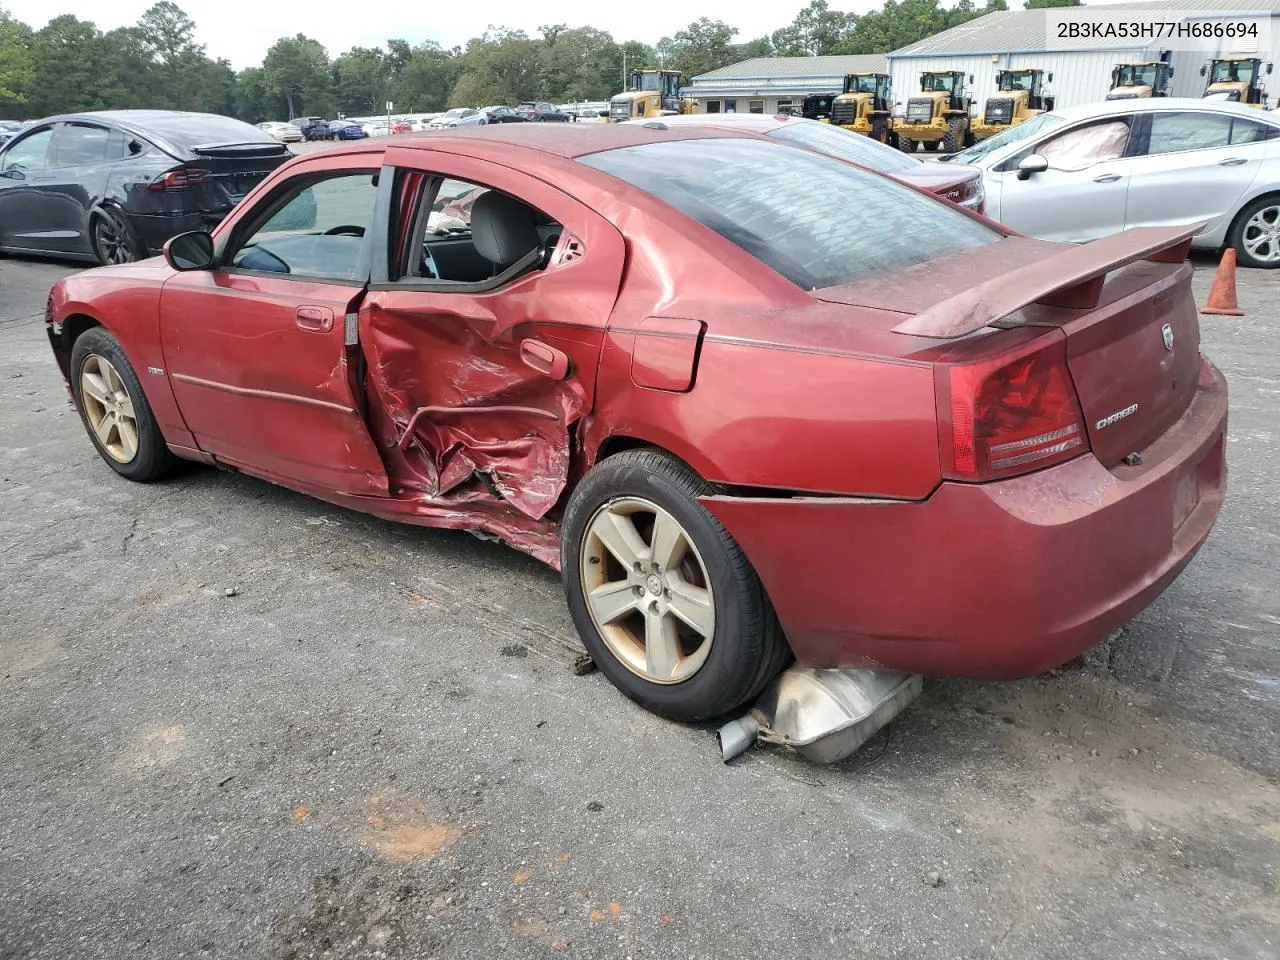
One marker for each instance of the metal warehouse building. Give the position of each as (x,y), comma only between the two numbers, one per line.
(1081,68)
(769,84)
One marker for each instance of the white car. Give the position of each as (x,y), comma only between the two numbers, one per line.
(457,117)
(284,132)
(1084,172)
(420,121)
(377,128)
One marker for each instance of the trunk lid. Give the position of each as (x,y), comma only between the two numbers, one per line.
(1123,303)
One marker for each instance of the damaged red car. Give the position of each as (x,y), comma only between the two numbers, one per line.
(746,425)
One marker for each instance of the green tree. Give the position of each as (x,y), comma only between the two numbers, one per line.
(69,61)
(816,30)
(500,67)
(16,71)
(254,102)
(362,81)
(297,69)
(427,78)
(701,47)
(580,64)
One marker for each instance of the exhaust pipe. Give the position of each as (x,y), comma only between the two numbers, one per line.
(736,737)
(823,715)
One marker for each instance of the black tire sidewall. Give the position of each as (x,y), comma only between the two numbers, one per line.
(1243,257)
(737,647)
(153,458)
(121,224)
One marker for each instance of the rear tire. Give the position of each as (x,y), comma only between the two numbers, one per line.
(906,144)
(1256,234)
(114,410)
(112,238)
(627,593)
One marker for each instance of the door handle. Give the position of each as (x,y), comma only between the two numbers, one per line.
(314,319)
(1107,178)
(544,358)
(1232,161)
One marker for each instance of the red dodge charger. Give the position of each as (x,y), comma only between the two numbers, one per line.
(753,402)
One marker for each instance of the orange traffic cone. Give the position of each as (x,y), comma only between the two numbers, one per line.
(1222,295)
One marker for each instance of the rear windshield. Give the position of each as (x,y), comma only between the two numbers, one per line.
(854,147)
(817,221)
(192,130)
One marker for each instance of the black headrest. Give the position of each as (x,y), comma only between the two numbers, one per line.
(502,228)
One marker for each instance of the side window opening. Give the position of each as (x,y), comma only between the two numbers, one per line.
(469,234)
(316,231)
(29,153)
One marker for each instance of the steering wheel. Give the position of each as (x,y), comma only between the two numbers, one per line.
(346,230)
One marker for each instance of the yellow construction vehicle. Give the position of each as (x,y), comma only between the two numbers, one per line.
(865,106)
(817,106)
(1236,78)
(938,116)
(1150,79)
(1021,97)
(652,93)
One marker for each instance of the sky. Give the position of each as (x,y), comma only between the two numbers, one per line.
(242,30)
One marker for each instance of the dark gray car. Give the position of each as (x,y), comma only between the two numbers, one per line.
(114,186)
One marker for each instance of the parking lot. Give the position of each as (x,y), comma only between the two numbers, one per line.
(376,746)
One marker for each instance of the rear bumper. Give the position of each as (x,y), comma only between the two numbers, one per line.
(997,580)
(154,230)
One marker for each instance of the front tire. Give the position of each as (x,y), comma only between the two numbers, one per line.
(906,144)
(114,410)
(1256,234)
(664,599)
(954,138)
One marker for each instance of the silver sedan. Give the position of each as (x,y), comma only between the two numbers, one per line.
(1083,172)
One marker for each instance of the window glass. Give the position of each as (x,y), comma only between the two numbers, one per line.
(205,129)
(755,106)
(731,106)
(1082,147)
(713,106)
(1249,131)
(29,153)
(449,253)
(319,232)
(838,142)
(1175,132)
(774,202)
(75,144)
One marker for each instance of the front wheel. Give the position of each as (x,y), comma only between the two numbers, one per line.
(114,409)
(662,596)
(954,138)
(906,144)
(1256,236)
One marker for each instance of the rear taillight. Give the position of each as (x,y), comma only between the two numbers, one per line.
(180,179)
(1009,415)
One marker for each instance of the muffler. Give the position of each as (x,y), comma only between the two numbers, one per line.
(824,715)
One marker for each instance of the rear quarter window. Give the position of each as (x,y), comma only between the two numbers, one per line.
(815,220)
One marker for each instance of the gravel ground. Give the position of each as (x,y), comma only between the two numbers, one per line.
(377,747)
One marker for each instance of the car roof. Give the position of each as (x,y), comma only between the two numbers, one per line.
(752,122)
(562,140)
(1111,108)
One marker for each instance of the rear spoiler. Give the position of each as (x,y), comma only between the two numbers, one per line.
(1072,278)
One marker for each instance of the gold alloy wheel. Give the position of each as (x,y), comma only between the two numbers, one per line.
(109,408)
(647,590)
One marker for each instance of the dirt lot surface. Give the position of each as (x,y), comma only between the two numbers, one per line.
(377,747)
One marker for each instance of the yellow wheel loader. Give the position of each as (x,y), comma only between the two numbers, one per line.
(1236,78)
(938,116)
(1021,96)
(652,93)
(1130,80)
(865,106)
